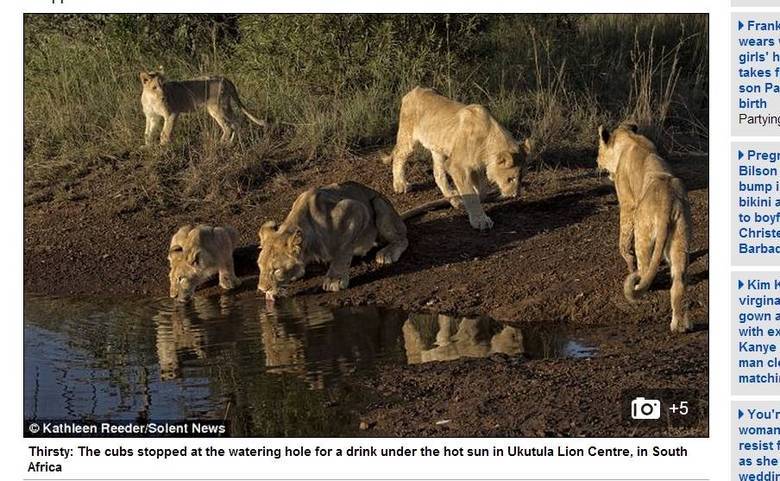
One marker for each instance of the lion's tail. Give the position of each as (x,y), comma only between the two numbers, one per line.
(422,209)
(251,117)
(635,284)
(237,100)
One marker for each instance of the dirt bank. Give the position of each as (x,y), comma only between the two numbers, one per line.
(552,256)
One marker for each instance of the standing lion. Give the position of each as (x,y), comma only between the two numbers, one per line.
(164,100)
(467,144)
(654,215)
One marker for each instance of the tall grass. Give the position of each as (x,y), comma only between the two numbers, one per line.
(331,85)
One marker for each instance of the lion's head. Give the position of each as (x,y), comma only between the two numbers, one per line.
(609,150)
(152,82)
(190,262)
(281,259)
(507,168)
(187,271)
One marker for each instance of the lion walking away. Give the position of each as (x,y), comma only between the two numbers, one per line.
(654,216)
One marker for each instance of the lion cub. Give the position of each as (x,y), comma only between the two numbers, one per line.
(654,215)
(164,100)
(196,254)
(467,145)
(329,224)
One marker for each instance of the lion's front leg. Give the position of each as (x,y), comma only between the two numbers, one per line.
(440,176)
(148,130)
(349,219)
(400,185)
(153,124)
(337,277)
(227,275)
(464,182)
(626,245)
(167,130)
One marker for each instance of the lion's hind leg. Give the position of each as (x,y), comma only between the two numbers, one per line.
(643,246)
(222,116)
(391,229)
(678,257)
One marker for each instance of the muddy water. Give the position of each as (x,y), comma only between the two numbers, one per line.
(271,370)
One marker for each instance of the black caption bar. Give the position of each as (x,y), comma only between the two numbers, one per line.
(59,428)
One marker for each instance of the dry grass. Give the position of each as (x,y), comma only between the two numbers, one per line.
(333,86)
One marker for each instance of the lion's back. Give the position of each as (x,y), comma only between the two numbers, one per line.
(212,244)
(658,192)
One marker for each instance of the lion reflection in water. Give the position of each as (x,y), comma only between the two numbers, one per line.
(320,345)
(188,332)
(445,338)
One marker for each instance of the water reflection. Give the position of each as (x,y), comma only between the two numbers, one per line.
(322,345)
(444,338)
(271,370)
(185,333)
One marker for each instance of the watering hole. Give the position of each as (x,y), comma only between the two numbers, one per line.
(283,369)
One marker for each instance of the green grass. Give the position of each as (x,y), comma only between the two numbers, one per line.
(331,84)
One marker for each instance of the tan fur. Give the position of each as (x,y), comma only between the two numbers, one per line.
(467,144)
(164,100)
(654,215)
(329,224)
(198,253)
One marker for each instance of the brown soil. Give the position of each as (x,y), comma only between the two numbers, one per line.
(552,256)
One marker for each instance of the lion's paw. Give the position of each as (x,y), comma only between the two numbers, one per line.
(333,284)
(229,282)
(401,186)
(681,327)
(481,223)
(385,256)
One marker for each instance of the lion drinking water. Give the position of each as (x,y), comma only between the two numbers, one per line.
(196,254)
(654,215)
(467,144)
(164,100)
(329,224)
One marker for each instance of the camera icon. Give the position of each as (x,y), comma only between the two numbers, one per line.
(642,408)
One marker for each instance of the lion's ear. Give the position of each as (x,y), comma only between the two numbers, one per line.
(265,230)
(505,159)
(295,242)
(527,146)
(145,77)
(195,259)
(603,134)
(630,126)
